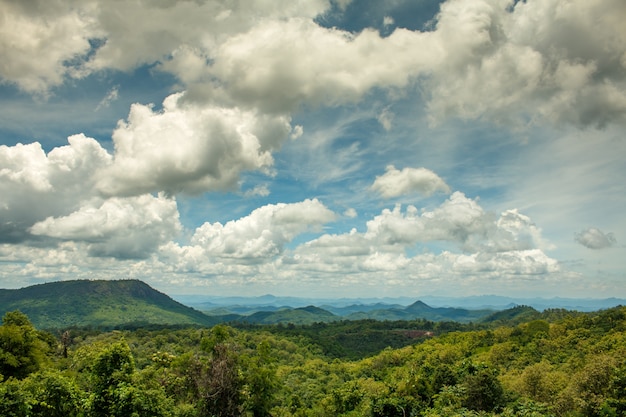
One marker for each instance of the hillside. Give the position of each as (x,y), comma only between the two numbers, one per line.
(105,304)
(559,364)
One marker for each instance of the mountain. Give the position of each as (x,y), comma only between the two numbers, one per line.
(346,306)
(105,304)
(379,311)
(513,316)
(300,315)
(421,310)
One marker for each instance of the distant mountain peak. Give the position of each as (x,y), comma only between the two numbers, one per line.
(418,306)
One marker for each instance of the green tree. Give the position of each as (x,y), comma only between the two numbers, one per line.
(22,349)
(13,400)
(216,382)
(115,393)
(483,390)
(53,395)
(260,379)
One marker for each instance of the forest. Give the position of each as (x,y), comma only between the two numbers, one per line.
(554,363)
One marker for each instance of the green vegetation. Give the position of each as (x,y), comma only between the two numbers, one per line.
(519,363)
(100,304)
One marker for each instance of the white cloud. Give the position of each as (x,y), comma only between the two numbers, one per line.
(553,60)
(262,234)
(260,190)
(350,213)
(385,118)
(506,247)
(394,183)
(245,68)
(37,43)
(111,96)
(593,238)
(138,33)
(43,42)
(190,148)
(130,227)
(548,60)
(459,219)
(296,61)
(511,263)
(34,185)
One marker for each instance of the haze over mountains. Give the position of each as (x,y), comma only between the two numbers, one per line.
(494,302)
(123,303)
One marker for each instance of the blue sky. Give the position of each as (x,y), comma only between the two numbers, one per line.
(315,148)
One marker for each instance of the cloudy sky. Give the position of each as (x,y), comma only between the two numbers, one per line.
(318,148)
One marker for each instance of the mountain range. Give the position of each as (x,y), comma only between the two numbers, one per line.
(127,303)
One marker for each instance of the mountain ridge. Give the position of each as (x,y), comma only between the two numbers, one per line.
(99,303)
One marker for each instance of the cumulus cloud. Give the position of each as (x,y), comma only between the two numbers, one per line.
(138,32)
(555,60)
(35,185)
(506,246)
(190,148)
(245,69)
(460,220)
(298,61)
(593,238)
(45,41)
(130,227)
(40,40)
(263,233)
(552,60)
(394,183)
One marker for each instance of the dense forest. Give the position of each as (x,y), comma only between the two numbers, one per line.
(521,363)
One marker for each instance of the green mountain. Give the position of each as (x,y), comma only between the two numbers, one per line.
(311,314)
(104,304)
(513,316)
(301,315)
(420,310)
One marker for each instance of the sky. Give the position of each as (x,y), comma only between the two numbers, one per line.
(315,148)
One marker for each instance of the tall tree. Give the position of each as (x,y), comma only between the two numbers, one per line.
(22,349)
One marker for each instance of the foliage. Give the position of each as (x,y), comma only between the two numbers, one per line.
(555,364)
(22,348)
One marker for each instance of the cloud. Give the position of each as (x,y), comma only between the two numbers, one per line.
(297,61)
(532,62)
(536,61)
(111,96)
(511,263)
(44,42)
(190,148)
(261,190)
(458,220)
(395,183)
(262,234)
(35,185)
(139,33)
(130,227)
(350,213)
(593,238)
(506,247)
(385,118)
(39,45)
